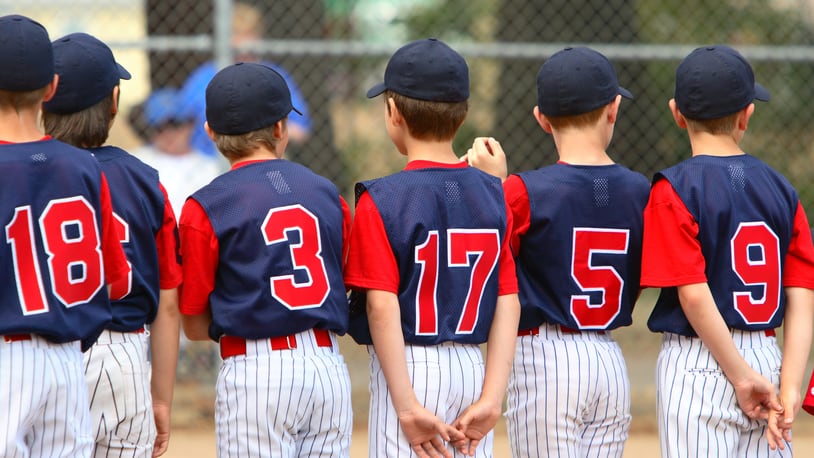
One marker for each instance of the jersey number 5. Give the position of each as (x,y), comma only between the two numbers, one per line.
(756,261)
(306,255)
(71,240)
(590,277)
(461,243)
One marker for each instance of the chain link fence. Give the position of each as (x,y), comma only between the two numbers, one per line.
(334,50)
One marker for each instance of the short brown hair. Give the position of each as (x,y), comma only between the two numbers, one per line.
(19,100)
(427,120)
(586,119)
(86,128)
(716,126)
(234,147)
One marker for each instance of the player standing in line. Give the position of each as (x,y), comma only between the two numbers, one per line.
(263,246)
(728,242)
(129,402)
(429,253)
(577,239)
(58,248)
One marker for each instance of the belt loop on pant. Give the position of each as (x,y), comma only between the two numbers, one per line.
(236,346)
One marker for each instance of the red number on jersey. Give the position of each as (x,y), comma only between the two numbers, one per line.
(306,255)
(71,241)
(756,261)
(121,288)
(461,244)
(591,277)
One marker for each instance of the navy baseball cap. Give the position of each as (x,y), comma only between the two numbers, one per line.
(245,97)
(26,57)
(576,80)
(87,71)
(426,70)
(715,81)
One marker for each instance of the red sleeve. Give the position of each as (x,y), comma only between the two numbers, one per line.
(507,280)
(671,251)
(199,252)
(371,263)
(115,261)
(166,241)
(799,264)
(808,400)
(517,200)
(346,228)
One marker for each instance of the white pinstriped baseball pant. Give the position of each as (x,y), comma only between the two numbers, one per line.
(446,378)
(569,395)
(284,403)
(118,373)
(698,414)
(43,400)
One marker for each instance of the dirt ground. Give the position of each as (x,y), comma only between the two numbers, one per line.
(200,443)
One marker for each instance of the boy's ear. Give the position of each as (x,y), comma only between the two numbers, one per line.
(745,115)
(52,89)
(613,109)
(541,120)
(280,128)
(677,116)
(114,106)
(209,132)
(395,114)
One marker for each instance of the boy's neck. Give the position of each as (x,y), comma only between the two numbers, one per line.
(582,147)
(258,154)
(419,150)
(20,126)
(707,144)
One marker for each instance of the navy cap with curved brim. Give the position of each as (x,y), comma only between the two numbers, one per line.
(87,71)
(576,80)
(26,55)
(426,69)
(715,81)
(245,97)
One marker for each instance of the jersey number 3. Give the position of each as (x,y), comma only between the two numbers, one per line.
(71,240)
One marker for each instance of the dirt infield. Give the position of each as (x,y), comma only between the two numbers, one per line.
(200,443)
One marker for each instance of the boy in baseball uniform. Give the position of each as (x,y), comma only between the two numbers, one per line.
(58,250)
(263,246)
(130,394)
(728,242)
(429,255)
(577,239)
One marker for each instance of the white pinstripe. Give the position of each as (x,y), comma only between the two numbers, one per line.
(43,400)
(284,403)
(117,373)
(569,395)
(446,378)
(697,410)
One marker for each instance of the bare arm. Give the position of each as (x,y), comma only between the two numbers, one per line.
(423,429)
(164,336)
(487,155)
(196,327)
(477,420)
(756,395)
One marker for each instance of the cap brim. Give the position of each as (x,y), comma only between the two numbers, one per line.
(761,93)
(376,90)
(625,93)
(294,109)
(123,73)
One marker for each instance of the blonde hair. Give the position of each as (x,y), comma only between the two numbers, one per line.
(235,147)
(716,126)
(246,19)
(19,100)
(587,119)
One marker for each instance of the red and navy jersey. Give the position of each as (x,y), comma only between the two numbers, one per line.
(733,223)
(578,244)
(58,248)
(146,228)
(276,233)
(443,252)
